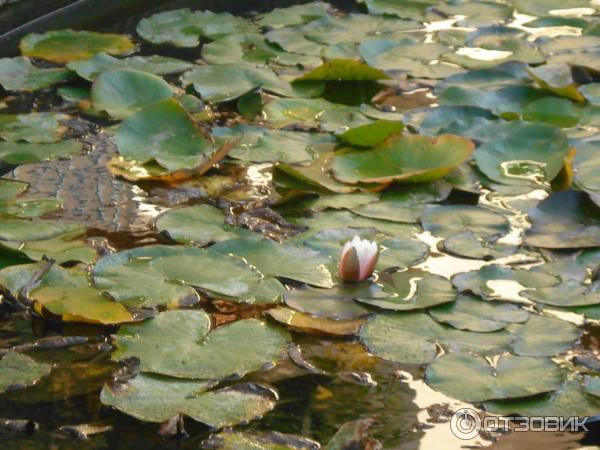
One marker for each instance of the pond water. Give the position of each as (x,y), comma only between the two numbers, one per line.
(179,180)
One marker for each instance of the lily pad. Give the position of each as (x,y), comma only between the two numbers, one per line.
(122,92)
(18,74)
(35,127)
(18,371)
(62,46)
(448,220)
(569,401)
(164,132)
(404,158)
(89,69)
(153,398)
(343,70)
(371,134)
(543,336)
(198,225)
(512,377)
(204,268)
(558,79)
(408,290)
(235,440)
(313,113)
(294,15)
(335,303)
(412,338)
(233,349)
(313,325)
(183,27)
(280,260)
(28,153)
(221,83)
(261,145)
(564,220)
(471,314)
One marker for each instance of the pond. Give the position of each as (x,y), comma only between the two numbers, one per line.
(300,225)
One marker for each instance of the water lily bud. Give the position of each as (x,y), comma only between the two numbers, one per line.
(358,259)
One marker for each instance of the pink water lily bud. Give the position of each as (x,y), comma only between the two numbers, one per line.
(358,259)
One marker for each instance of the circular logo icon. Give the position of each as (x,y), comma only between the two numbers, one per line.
(465,424)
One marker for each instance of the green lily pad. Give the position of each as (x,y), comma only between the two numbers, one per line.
(555,111)
(198,225)
(412,338)
(18,371)
(414,10)
(343,70)
(404,158)
(220,83)
(204,268)
(262,145)
(400,55)
(408,290)
(471,314)
(153,398)
(478,13)
(28,153)
(164,132)
(401,252)
(564,220)
(233,349)
(122,92)
(61,249)
(280,260)
(569,401)
(558,79)
(507,101)
(37,229)
(512,377)
(448,220)
(89,69)
(234,440)
(294,15)
(252,49)
(591,92)
(543,336)
(371,134)
(62,46)
(35,127)
(18,74)
(313,113)
(478,282)
(310,177)
(468,245)
(335,303)
(183,27)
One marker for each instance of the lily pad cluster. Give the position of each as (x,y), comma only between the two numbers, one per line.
(459,139)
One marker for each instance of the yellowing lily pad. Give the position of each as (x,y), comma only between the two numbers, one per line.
(62,46)
(404,158)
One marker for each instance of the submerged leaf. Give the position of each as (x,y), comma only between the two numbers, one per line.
(18,371)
